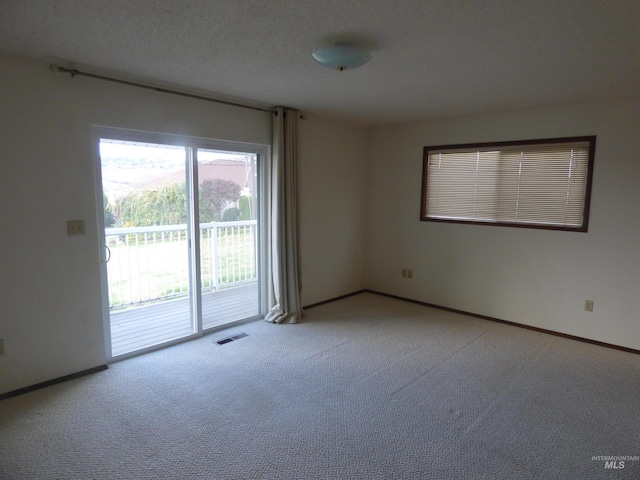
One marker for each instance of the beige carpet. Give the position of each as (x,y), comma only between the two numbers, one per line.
(367,387)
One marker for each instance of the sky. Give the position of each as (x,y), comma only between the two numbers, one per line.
(122,149)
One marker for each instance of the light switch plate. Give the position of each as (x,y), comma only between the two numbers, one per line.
(75,227)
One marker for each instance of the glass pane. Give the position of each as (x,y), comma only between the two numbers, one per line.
(146,231)
(227,193)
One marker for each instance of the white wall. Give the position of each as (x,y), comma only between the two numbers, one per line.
(331,188)
(534,277)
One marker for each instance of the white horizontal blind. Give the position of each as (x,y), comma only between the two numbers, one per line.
(541,184)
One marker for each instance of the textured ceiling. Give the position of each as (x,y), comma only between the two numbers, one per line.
(430,58)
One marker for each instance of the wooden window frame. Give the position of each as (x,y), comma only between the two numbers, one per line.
(590,140)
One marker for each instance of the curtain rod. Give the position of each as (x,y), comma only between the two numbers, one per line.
(74,73)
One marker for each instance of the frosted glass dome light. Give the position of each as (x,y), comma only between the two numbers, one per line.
(341,56)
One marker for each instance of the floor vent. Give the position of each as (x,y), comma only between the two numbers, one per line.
(231,339)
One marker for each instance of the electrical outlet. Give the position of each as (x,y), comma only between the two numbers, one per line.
(404,273)
(588,305)
(1,346)
(75,227)
(409,273)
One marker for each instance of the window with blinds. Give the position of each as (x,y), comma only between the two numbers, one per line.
(534,183)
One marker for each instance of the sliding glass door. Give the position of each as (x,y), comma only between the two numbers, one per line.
(228,214)
(181,238)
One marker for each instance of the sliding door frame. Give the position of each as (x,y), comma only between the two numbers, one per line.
(192,144)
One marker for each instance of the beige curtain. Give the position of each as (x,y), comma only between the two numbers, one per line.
(284,305)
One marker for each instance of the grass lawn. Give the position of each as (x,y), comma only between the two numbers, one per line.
(144,268)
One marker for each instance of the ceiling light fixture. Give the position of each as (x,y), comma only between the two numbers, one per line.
(342,56)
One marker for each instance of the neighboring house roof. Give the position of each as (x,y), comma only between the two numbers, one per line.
(230,170)
(236,172)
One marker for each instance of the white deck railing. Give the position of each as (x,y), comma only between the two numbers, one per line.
(148,264)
